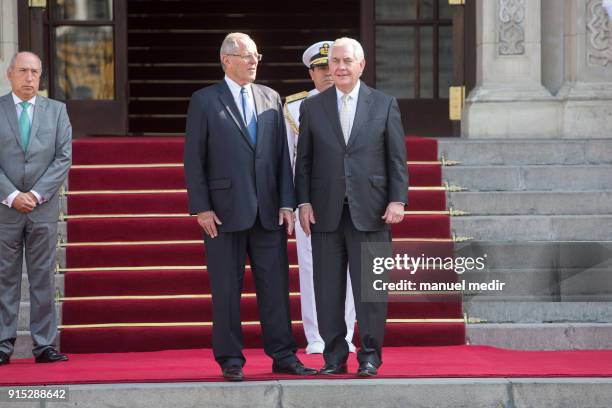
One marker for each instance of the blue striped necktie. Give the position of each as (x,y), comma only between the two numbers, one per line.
(249,115)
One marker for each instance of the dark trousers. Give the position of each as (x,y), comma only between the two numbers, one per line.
(226,255)
(330,252)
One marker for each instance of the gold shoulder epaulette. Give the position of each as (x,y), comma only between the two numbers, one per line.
(296,97)
(292,98)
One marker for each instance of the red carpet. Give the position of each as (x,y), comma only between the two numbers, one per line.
(186,228)
(152,338)
(179,282)
(176,203)
(118,150)
(399,362)
(200,310)
(421,175)
(118,215)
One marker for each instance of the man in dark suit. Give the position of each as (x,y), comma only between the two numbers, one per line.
(35,135)
(239,181)
(351,183)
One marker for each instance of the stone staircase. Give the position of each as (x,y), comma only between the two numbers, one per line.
(541,211)
(532,204)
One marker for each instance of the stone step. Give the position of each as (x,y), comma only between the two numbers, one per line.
(62,231)
(542,336)
(25,288)
(538,254)
(23,321)
(530,178)
(521,152)
(534,227)
(553,284)
(532,202)
(379,393)
(538,312)
(61,257)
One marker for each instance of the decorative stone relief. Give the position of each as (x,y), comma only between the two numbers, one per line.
(598,38)
(511,27)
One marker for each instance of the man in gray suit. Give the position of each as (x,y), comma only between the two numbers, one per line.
(240,187)
(351,183)
(35,135)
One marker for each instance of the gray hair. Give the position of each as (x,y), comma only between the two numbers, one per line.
(357,48)
(230,44)
(14,60)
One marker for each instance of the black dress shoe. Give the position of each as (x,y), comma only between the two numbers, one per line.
(4,358)
(367,369)
(51,355)
(295,368)
(331,369)
(233,373)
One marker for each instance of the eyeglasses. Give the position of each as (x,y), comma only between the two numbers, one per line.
(247,57)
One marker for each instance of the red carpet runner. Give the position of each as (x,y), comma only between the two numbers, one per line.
(399,362)
(135,278)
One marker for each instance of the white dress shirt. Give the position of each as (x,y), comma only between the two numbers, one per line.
(352,103)
(8,201)
(18,102)
(235,89)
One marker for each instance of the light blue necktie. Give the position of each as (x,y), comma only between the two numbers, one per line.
(249,115)
(24,125)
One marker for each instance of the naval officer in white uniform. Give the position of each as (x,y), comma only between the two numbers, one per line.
(316,59)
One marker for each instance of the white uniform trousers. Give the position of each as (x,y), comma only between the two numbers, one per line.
(307,295)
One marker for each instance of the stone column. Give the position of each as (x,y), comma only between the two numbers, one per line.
(587,92)
(509,100)
(8,40)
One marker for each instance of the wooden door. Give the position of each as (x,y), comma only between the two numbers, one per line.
(416,52)
(83,47)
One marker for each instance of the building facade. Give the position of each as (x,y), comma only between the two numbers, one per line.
(532,68)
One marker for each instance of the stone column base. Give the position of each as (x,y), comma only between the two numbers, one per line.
(508,112)
(586,110)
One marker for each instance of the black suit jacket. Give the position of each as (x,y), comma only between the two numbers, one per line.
(224,171)
(370,170)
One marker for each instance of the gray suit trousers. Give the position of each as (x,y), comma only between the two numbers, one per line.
(39,240)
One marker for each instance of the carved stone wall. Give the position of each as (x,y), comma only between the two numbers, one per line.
(511,27)
(8,39)
(598,38)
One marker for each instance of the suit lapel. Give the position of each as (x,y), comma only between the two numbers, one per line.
(362,113)
(11,114)
(228,101)
(330,101)
(259,109)
(39,107)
